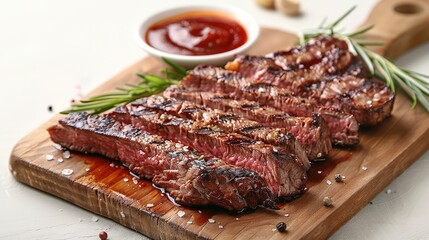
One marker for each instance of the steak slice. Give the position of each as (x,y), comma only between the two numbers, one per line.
(227,122)
(369,101)
(218,80)
(316,146)
(328,54)
(284,173)
(298,66)
(189,177)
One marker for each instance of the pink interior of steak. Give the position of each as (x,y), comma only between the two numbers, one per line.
(187,176)
(270,162)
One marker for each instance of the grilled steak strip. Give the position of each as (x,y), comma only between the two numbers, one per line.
(232,122)
(218,80)
(369,101)
(298,66)
(284,173)
(189,178)
(311,132)
(228,122)
(327,54)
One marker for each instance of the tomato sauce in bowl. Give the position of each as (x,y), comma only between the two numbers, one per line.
(196,33)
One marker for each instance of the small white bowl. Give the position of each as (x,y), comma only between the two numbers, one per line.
(242,17)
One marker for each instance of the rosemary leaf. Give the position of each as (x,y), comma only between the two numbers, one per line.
(149,85)
(360,31)
(416,85)
(361,52)
(336,22)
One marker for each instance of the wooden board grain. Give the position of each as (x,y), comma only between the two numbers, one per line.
(107,188)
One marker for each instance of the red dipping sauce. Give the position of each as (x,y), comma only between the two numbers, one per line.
(196,33)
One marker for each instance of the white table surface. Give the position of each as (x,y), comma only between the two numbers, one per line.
(51,51)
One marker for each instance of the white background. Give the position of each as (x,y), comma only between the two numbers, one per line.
(52,51)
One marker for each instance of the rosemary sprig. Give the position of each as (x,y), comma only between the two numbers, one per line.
(416,85)
(149,85)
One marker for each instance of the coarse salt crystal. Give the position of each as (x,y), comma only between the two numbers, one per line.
(126,179)
(274,229)
(319,172)
(87,169)
(112,165)
(57,146)
(220,227)
(122,214)
(199,211)
(135,180)
(149,205)
(287,215)
(181,213)
(49,157)
(328,182)
(211,220)
(236,219)
(364,168)
(66,154)
(67,172)
(94,219)
(60,160)
(190,222)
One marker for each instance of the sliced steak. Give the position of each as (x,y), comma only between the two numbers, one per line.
(284,173)
(227,122)
(321,79)
(218,80)
(189,177)
(298,66)
(311,133)
(328,54)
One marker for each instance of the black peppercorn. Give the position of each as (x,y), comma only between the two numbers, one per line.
(338,178)
(281,226)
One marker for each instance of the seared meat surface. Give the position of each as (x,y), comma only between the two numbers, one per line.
(188,176)
(284,173)
(235,86)
(311,132)
(323,71)
(232,122)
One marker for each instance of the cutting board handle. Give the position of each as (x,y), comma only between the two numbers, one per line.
(399,24)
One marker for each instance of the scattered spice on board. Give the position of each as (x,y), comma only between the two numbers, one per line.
(281,226)
(66,155)
(181,213)
(338,177)
(67,172)
(327,201)
(103,235)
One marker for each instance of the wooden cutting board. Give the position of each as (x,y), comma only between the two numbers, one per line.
(105,187)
